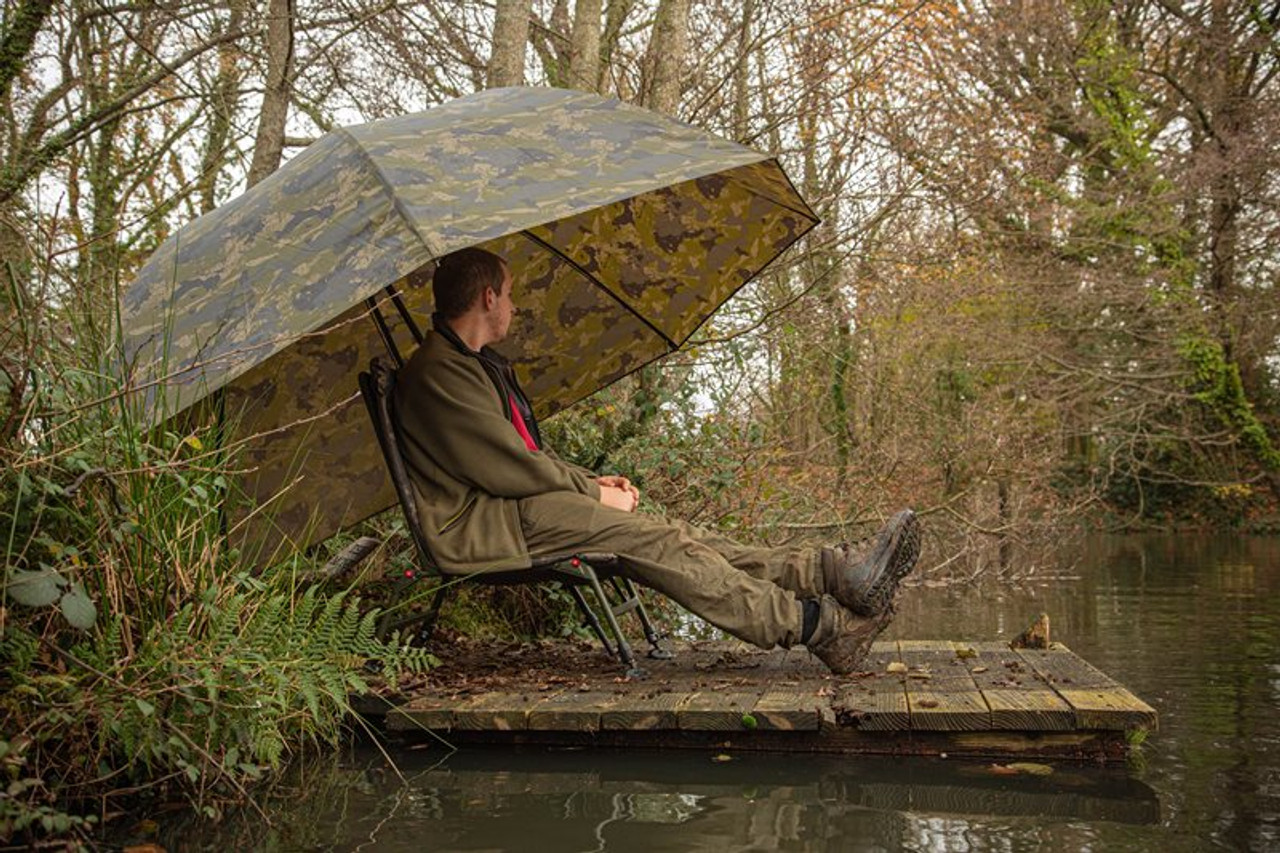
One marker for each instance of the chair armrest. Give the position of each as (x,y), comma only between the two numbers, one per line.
(595,559)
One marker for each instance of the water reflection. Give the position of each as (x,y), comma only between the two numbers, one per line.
(499,800)
(1190,624)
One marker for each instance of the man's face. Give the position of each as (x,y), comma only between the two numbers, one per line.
(503,310)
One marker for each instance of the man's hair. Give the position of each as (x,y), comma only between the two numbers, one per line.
(462,276)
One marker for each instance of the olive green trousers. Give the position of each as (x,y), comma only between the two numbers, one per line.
(752,593)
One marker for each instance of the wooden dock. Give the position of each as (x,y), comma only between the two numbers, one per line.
(914,698)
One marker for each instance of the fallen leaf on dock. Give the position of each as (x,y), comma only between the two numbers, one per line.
(927,703)
(896,666)
(978,669)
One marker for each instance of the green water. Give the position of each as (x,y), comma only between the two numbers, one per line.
(1190,624)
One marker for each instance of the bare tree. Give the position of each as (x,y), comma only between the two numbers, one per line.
(664,60)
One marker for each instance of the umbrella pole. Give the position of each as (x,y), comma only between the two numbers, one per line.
(384,331)
(404,314)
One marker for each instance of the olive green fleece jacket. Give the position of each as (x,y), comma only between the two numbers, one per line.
(468,465)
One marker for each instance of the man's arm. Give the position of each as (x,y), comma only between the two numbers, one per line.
(461,422)
(586,472)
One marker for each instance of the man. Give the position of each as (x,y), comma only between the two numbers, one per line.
(490,496)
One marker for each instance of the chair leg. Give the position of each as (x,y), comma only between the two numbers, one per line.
(624,648)
(590,618)
(433,612)
(656,650)
(389,621)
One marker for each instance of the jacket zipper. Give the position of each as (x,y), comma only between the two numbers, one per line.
(457,515)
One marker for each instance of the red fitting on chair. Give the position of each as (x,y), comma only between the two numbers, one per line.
(575,562)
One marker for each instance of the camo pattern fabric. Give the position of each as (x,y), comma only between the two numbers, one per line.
(624,230)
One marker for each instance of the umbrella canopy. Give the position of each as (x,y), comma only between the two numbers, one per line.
(624,230)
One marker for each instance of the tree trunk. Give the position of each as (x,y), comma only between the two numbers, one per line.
(222,106)
(510,36)
(584,55)
(664,60)
(269,144)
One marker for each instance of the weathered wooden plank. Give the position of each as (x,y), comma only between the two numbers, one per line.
(926,646)
(1063,668)
(984,647)
(1028,710)
(877,704)
(935,662)
(573,711)
(947,710)
(644,712)
(1098,701)
(424,712)
(941,693)
(789,709)
(641,712)
(883,653)
(716,710)
(502,712)
(1019,699)
(1109,708)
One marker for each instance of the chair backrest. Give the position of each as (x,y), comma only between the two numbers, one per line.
(378,386)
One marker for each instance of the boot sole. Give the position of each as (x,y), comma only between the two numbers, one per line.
(896,555)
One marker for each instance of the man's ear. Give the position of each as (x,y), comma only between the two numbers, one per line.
(488,298)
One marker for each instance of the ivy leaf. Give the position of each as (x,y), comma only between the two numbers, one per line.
(78,608)
(36,589)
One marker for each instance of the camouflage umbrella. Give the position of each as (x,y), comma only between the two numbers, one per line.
(624,229)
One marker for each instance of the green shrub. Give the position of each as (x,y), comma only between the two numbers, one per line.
(136,648)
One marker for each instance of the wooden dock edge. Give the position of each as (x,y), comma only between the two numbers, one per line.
(1096,746)
(934,698)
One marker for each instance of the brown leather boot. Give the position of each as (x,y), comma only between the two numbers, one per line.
(842,639)
(865,579)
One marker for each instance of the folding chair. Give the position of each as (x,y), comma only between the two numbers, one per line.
(596,571)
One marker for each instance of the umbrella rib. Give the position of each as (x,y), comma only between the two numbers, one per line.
(598,283)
